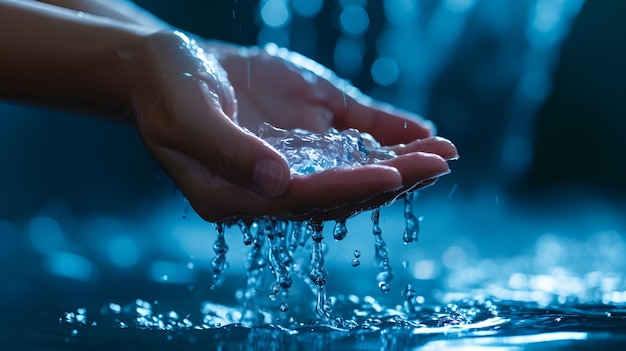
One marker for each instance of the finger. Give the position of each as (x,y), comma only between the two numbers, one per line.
(417,170)
(337,187)
(416,167)
(434,145)
(306,195)
(389,125)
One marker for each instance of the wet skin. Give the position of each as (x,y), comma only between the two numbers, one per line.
(195,102)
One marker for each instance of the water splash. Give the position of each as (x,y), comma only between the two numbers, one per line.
(308,152)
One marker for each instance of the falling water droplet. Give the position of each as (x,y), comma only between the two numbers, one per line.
(405,125)
(340,231)
(275,236)
(357,253)
(355,262)
(411,229)
(248,238)
(318,273)
(405,264)
(385,274)
(185,207)
(275,288)
(218,264)
(408,292)
(284,307)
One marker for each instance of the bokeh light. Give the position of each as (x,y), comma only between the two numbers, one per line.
(275,13)
(354,20)
(307,8)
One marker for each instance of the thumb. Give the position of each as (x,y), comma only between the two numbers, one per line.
(232,153)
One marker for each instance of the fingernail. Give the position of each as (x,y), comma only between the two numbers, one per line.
(269,177)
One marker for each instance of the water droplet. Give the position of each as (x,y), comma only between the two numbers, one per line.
(165,277)
(340,231)
(411,230)
(328,306)
(408,292)
(357,253)
(318,231)
(355,262)
(185,207)
(189,265)
(284,307)
(218,264)
(385,274)
(248,238)
(74,332)
(405,264)
(405,125)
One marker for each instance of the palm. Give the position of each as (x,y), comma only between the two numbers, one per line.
(270,88)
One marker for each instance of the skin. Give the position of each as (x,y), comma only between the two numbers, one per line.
(195,103)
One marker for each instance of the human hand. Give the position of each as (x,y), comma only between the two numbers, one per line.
(187,113)
(290,91)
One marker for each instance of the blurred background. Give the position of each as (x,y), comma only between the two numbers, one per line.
(532,93)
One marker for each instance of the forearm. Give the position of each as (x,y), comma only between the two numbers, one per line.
(58,57)
(121,10)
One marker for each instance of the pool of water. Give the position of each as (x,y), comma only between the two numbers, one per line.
(488,276)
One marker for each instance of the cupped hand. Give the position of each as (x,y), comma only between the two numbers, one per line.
(191,123)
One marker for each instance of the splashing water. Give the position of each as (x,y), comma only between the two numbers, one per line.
(272,243)
(308,152)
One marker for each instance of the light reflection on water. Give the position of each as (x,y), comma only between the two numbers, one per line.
(547,283)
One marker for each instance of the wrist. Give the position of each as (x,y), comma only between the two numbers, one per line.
(65,59)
